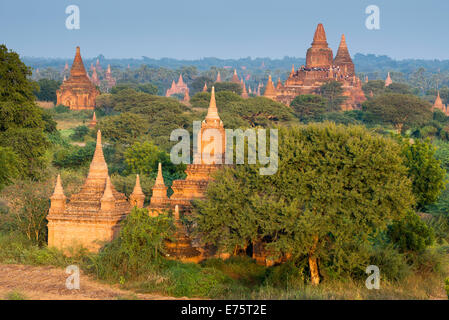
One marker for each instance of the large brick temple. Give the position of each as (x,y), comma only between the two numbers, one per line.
(92,216)
(321,67)
(77,92)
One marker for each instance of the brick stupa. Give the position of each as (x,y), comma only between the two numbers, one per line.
(177,88)
(92,216)
(320,68)
(77,92)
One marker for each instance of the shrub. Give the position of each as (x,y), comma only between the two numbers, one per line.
(61,109)
(446,286)
(139,247)
(286,276)
(79,133)
(392,264)
(411,233)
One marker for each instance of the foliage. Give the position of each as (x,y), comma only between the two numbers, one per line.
(398,110)
(428,178)
(411,233)
(335,187)
(9,166)
(309,107)
(47,90)
(333,92)
(74,156)
(79,133)
(143,158)
(124,128)
(227,86)
(60,108)
(137,249)
(144,87)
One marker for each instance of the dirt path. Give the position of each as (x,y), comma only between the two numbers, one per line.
(48,283)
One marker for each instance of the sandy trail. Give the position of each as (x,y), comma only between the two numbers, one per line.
(48,283)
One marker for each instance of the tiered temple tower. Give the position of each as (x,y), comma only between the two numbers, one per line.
(320,68)
(388,81)
(91,216)
(439,105)
(77,92)
(177,88)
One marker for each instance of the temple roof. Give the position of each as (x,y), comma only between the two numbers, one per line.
(137,188)
(235,77)
(438,102)
(270,91)
(388,81)
(218,77)
(205,87)
(159,178)
(244,92)
(343,55)
(78,65)
(58,194)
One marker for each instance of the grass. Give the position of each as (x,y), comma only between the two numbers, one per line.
(15,295)
(235,278)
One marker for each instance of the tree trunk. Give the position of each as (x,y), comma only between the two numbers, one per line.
(313,263)
(314,275)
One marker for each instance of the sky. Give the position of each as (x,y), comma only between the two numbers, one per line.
(196,29)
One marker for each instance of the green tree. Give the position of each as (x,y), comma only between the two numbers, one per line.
(143,158)
(227,86)
(333,92)
(336,186)
(138,248)
(411,234)
(47,90)
(309,107)
(22,122)
(399,110)
(425,172)
(9,166)
(124,128)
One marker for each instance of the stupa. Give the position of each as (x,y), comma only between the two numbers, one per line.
(77,92)
(321,68)
(92,216)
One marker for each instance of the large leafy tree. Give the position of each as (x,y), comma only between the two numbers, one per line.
(335,188)
(425,171)
(21,120)
(399,110)
(333,92)
(309,107)
(47,90)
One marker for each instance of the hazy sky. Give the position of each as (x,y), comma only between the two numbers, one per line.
(224,29)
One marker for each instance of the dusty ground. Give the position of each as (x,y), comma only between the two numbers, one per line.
(48,283)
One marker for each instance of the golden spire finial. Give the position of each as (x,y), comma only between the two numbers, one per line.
(212,112)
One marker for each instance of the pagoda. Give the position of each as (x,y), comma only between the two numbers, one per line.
(439,105)
(235,77)
(177,88)
(77,92)
(388,81)
(320,68)
(91,216)
(110,80)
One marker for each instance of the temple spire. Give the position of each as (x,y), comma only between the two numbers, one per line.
(78,65)
(59,191)
(244,92)
(235,77)
(212,112)
(319,39)
(205,87)
(107,201)
(439,103)
(98,170)
(159,178)
(137,197)
(270,91)
(218,77)
(388,81)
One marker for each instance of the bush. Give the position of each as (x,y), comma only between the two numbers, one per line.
(446,286)
(79,133)
(286,276)
(392,264)
(139,248)
(61,109)
(74,156)
(411,233)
